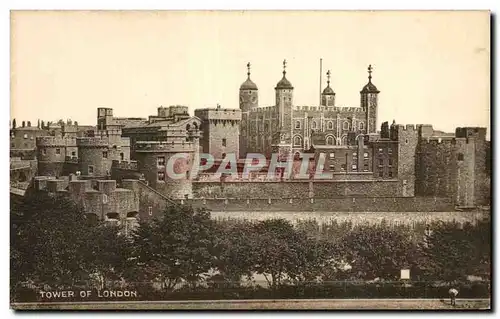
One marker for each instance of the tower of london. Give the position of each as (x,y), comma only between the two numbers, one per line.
(286,127)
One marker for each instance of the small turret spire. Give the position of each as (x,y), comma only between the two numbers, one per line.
(284,67)
(248,67)
(328,78)
(370,70)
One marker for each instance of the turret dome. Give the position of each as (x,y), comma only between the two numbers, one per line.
(284,83)
(248,84)
(370,87)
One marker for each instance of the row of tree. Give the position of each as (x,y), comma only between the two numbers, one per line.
(42,125)
(54,243)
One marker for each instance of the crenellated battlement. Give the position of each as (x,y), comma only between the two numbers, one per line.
(132,165)
(171,147)
(264,109)
(92,142)
(349,109)
(219,114)
(55,141)
(446,140)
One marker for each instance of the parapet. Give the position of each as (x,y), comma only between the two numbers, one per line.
(77,187)
(106,186)
(177,109)
(132,165)
(349,109)
(263,109)
(447,140)
(55,141)
(131,184)
(170,147)
(41,182)
(56,185)
(92,142)
(218,114)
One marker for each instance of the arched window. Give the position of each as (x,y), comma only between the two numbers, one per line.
(329,140)
(330,125)
(313,124)
(361,125)
(344,140)
(297,141)
(297,124)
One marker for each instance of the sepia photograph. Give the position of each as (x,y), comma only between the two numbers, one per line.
(250,160)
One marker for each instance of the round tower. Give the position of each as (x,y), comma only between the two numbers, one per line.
(328,95)
(369,103)
(284,103)
(249,93)
(51,154)
(94,156)
(166,166)
(249,99)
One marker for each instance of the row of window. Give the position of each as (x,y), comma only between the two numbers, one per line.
(354,167)
(329,125)
(354,155)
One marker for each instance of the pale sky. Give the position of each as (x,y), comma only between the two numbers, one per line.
(431,67)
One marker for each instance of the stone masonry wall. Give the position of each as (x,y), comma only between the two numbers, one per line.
(354,204)
(295,189)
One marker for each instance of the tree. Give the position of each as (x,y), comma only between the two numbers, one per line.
(23,124)
(313,258)
(234,251)
(48,238)
(453,251)
(108,252)
(43,125)
(14,123)
(178,247)
(29,123)
(38,124)
(275,254)
(378,251)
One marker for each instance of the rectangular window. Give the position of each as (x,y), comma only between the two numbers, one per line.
(122,156)
(104,154)
(44,152)
(389,150)
(73,153)
(380,150)
(150,210)
(354,154)
(390,161)
(161,176)
(343,167)
(91,169)
(332,167)
(365,155)
(365,168)
(224,142)
(354,167)
(460,156)
(14,145)
(332,155)
(58,151)
(25,136)
(380,162)
(390,174)
(381,174)
(161,161)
